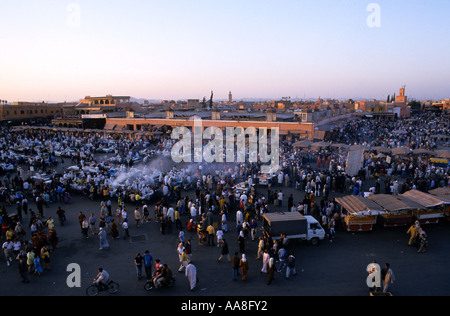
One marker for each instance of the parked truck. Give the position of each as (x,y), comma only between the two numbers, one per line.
(294,225)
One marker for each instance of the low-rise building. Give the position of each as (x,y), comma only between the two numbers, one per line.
(29,112)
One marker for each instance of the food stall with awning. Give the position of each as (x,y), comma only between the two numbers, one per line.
(398,211)
(433,206)
(265,178)
(443,193)
(359,213)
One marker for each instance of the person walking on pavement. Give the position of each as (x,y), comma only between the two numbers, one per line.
(423,243)
(139,263)
(388,277)
(92,224)
(85,227)
(180,249)
(290,266)
(102,238)
(184,260)
(219,236)
(7,248)
(266,258)
(23,268)
(331,230)
(81,218)
(189,249)
(243,263)
(260,252)
(148,262)
(211,233)
(282,256)
(241,242)
(235,265)
(114,230)
(223,221)
(413,231)
(253,228)
(137,216)
(125,228)
(270,270)
(191,274)
(225,252)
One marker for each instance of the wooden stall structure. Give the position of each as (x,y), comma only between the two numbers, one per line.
(360,214)
(443,193)
(433,206)
(398,212)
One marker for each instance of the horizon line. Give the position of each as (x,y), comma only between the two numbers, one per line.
(254,99)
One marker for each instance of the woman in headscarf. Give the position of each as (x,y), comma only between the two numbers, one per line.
(244,267)
(241,242)
(191,226)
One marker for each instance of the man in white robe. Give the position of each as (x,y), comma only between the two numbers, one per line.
(103,241)
(239,218)
(266,258)
(191,274)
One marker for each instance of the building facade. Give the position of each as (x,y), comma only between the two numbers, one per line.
(28,112)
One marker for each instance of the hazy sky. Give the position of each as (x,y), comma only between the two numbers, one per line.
(178,49)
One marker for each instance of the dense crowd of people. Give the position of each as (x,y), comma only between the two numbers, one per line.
(43,166)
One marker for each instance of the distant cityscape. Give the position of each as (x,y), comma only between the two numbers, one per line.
(303,118)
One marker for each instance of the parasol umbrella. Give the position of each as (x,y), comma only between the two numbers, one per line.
(320,144)
(423,151)
(357,147)
(339,145)
(399,131)
(381,149)
(400,151)
(302,144)
(441,136)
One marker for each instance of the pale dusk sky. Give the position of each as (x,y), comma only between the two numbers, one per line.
(178,49)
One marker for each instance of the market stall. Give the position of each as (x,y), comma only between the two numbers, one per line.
(443,193)
(265,178)
(433,206)
(359,213)
(398,212)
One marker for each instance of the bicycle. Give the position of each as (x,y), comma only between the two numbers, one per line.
(93,290)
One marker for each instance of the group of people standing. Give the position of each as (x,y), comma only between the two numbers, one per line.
(33,254)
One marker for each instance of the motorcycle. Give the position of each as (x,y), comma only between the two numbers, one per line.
(151,285)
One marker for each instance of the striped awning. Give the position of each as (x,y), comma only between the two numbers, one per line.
(425,199)
(391,203)
(359,206)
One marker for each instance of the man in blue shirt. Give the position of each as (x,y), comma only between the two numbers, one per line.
(282,256)
(148,262)
(253,227)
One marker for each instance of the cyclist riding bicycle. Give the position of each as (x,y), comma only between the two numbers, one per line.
(102,278)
